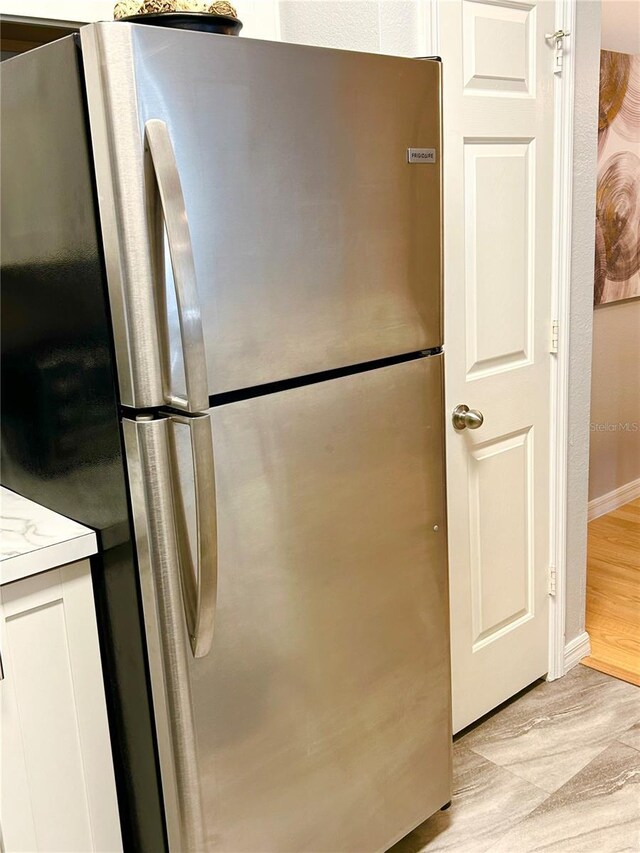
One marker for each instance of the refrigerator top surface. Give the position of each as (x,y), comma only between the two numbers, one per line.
(176,34)
(312,241)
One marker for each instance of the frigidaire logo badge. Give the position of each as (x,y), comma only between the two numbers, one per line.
(421,155)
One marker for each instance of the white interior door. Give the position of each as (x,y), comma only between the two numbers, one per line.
(498,173)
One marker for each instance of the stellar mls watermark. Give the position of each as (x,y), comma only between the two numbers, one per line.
(615,426)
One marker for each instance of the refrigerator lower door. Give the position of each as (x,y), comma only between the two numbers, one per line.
(320,718)
(292,209)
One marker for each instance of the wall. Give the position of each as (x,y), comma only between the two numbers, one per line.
(60,11)
(398,27)
(390,26)
(615,397)
(587,47)
(615,390)
(621,25)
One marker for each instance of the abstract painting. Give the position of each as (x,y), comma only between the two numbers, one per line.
(617,271)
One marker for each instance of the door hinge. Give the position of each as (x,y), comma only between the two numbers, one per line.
(557,39)
(552,580)
(555,334)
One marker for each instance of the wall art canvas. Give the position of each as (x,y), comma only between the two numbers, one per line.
(617,272)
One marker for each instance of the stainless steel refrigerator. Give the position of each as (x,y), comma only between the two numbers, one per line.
(268,235)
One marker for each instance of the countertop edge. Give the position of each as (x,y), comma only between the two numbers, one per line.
(48,557)
(34,538)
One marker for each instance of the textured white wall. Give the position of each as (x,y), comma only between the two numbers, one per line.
(585,138)
(259,18)
(399,27)
(73,11)
(390,26)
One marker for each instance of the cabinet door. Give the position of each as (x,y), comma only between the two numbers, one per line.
(58,789)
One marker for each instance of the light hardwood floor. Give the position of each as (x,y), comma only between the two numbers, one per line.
(613,593)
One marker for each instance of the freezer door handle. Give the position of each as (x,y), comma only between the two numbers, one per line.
(163,183)
(199,581)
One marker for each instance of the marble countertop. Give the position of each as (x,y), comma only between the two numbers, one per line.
(34,539)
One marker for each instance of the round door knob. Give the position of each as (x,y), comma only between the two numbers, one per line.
(465,418)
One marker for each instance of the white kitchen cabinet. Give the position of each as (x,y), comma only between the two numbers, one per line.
(57,788)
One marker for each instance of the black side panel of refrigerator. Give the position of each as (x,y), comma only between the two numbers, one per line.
(61,443)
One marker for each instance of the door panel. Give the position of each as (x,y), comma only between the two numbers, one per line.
(498,142)
(499,209)
(501,535)
(321,713)
(316,244)
(498,51)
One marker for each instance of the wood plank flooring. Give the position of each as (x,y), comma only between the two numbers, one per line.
(613,593)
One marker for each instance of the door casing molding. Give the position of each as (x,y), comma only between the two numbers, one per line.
(564,96)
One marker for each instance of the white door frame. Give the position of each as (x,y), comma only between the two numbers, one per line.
(564,86)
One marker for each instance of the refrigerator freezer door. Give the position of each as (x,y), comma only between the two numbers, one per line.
(320,718)
(316,238)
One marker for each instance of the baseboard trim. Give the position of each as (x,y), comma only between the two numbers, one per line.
(575,650)
(612,500)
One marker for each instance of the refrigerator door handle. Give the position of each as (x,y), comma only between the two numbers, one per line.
(151,481)
(163,182)
(199,581)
